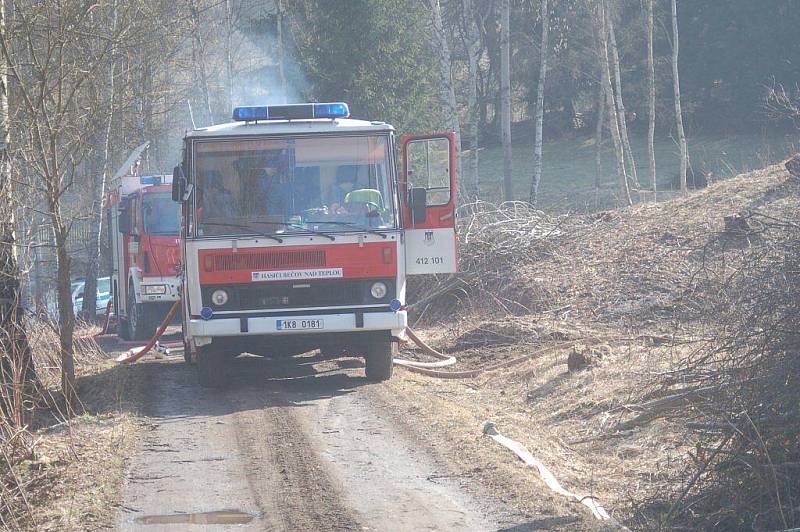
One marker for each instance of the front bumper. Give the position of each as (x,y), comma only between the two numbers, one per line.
(333,323)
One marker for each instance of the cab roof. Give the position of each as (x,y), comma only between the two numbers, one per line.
(291,127)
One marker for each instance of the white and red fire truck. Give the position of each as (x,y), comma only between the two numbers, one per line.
(298,232)
(143,224)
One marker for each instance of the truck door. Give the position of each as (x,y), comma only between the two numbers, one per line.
(429,201)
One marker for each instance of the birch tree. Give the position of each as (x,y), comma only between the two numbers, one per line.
(676,90)
(447,94)
(613,122)
(623,122)
(598,142)
(472,44)
(651,101)
(505,98)
(539,119)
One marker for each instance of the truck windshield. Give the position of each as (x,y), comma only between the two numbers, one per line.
(160,214)
(293,185)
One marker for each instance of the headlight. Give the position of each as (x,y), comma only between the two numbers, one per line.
(153,289)
(219,297)
(378,290)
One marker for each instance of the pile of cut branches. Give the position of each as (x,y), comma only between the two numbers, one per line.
(493,241)
(745,473)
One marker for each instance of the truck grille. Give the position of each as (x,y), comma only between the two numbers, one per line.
(300,294)
(267,261)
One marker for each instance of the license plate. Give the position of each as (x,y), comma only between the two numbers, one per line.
(298,325)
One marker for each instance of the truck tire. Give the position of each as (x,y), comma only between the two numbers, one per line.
(140,324)
(379,359)
(210,366)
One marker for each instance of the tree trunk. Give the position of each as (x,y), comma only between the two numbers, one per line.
(651,117)
(99,185)
(281,51)
(473,46)
(199,63)
(537,148)
(447,94)
(505,98)
(598,144)
(613,123)
(623,121)
(66,317)
(676,89)
(17,372)
(229,53)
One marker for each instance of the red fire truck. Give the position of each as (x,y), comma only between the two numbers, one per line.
(298,232)
(143,226)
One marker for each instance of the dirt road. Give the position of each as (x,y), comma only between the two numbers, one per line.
(301,444)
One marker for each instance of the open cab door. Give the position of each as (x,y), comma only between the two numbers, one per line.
(429,202)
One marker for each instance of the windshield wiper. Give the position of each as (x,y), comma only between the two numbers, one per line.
(350,224)
(247,227)
(300,226)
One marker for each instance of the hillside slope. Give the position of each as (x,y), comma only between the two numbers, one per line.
(633,288)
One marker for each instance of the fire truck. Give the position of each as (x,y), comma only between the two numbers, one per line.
(143,224)
(298,232)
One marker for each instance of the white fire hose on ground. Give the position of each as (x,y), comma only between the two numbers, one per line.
(431,369)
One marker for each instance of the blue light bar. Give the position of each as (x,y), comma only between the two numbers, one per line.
(298,111)
(150,180)
(331,110)
(250,113)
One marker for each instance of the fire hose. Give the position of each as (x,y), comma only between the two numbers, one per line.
(431,368)
(135,353)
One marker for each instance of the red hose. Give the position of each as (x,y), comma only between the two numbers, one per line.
(134,354)
(108,318)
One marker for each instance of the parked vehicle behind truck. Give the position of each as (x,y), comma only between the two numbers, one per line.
(143,226)
(298,233)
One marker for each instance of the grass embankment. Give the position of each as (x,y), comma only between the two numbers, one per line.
(569,168)
(67,474)
(659,427)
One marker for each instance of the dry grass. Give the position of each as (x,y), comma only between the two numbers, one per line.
(66,474)
(623,278)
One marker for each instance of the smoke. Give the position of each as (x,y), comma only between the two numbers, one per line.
(264,71)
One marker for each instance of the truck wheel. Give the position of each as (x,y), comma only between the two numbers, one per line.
(210,366)
(379,359)
(140,324)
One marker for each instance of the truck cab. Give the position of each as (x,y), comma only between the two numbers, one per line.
(143,232)
(298,233)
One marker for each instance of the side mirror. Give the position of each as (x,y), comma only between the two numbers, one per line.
(418,205)
(178,184)
(124,221)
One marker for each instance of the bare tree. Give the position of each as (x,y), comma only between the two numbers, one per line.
(51,62)
(447,94)
(598,143)
(505,98)
(281,49)
(676,89)
(199,66)
(651,100)
(537,148)
(613,122)
(623,121)
(16,363)
(472,41)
